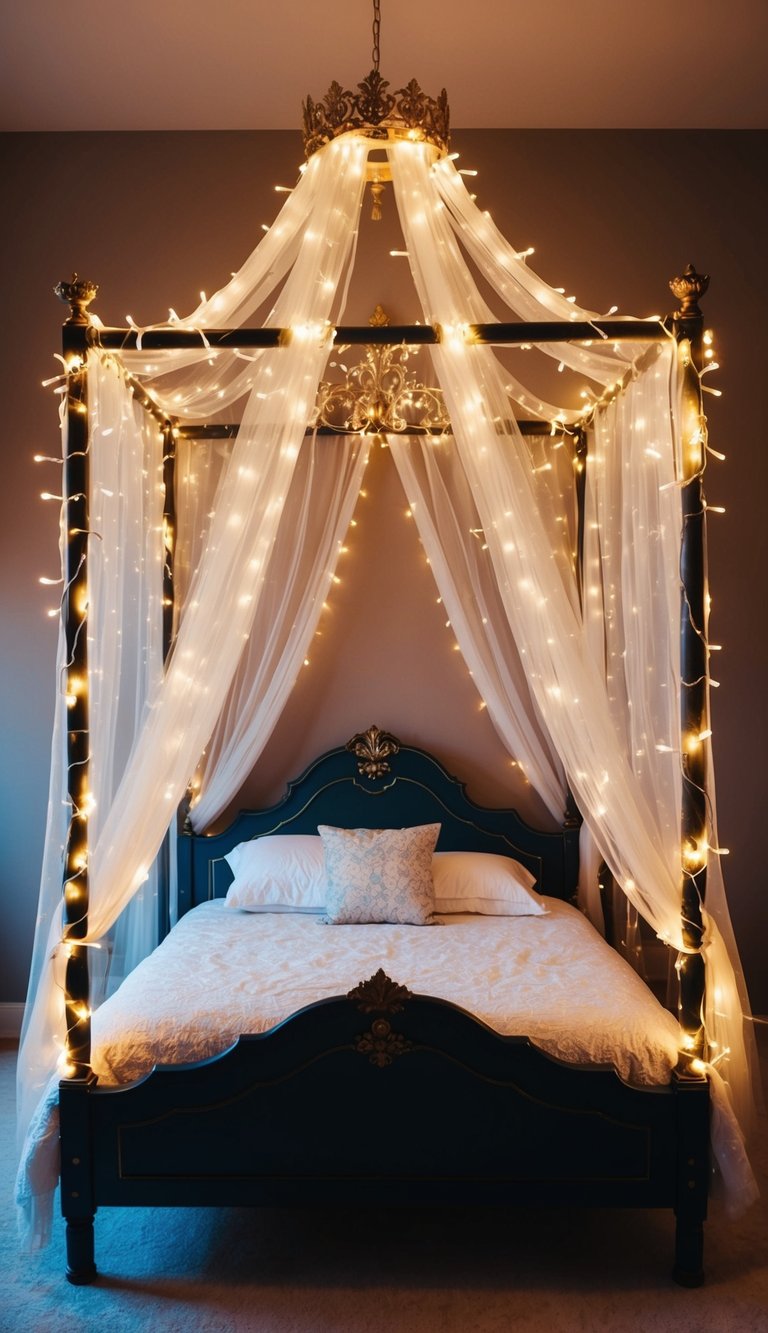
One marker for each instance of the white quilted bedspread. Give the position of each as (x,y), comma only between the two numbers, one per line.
(221,973)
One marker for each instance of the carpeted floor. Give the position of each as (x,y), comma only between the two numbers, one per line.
(463,1271)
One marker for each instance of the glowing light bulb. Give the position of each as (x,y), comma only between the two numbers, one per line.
(695,855)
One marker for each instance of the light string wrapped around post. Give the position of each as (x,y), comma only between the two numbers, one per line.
(694,665)
(169,533)
(76,1060)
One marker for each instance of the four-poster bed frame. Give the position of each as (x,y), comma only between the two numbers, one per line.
(230,1130)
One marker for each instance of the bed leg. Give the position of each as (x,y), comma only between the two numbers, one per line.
(689,1252)
(81,1268)
(692,1098)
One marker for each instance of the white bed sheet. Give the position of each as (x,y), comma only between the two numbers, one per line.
(221,973)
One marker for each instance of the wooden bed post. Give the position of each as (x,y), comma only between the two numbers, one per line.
(169,532)
(694,666)
(78,294)
(580,462)
(76,1185)
(168,432)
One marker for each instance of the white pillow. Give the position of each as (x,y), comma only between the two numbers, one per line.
(378,875)
(483,882)
(283,872)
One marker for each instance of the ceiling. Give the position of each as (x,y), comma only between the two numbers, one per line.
(246,64)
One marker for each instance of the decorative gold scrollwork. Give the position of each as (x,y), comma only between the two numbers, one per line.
(379,994)
(372,748)
(379,393)
(381,1044)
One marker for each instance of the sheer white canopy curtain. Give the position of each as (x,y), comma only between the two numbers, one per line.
(309,255)
(617,764)
(581,682)
(125,559)
(318,510)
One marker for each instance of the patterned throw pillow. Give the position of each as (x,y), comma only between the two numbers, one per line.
(379,874)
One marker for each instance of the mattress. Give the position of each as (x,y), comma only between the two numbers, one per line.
(223,972)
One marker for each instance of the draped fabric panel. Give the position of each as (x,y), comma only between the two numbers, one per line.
(225,593)
(527,296)
(181,711)
(542,605)
(445,516)
(535,581)
(632,626)
(632,585)
(317,513)
(124,626)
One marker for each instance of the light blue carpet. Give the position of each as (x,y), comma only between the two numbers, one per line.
(296,1271)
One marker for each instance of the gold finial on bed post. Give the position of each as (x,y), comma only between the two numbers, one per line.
(77,294)
(689,289)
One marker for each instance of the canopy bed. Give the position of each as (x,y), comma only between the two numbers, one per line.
(568,548)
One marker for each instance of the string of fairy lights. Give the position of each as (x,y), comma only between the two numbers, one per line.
(695,852)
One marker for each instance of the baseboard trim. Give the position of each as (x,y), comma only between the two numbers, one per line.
(10,1019)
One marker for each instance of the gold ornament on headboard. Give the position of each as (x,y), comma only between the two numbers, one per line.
(372,748)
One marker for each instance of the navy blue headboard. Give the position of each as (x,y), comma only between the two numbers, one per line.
(375,782)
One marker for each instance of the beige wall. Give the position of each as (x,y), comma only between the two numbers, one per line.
(154,218)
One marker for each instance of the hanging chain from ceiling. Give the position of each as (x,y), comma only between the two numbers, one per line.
(376,33)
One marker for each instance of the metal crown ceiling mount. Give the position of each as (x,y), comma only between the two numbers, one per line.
(407,113)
